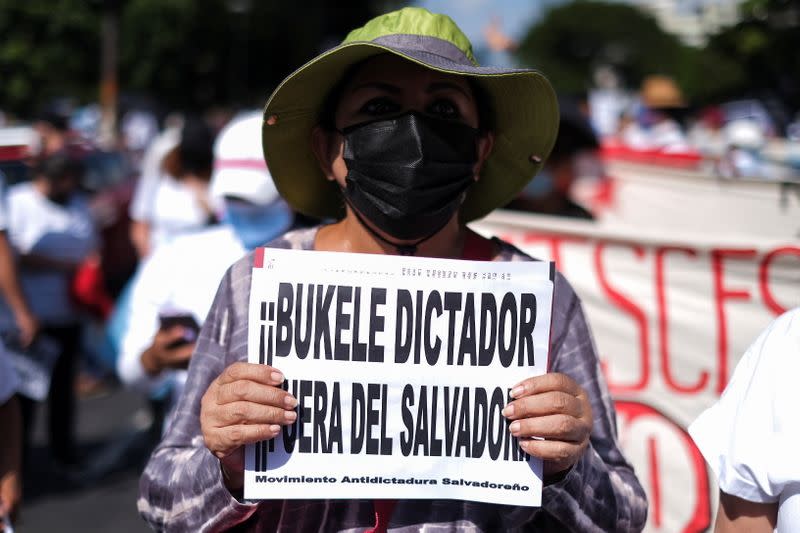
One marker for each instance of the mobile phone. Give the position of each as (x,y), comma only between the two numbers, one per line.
(187,321)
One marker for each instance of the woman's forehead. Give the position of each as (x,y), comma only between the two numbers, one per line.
(400,72)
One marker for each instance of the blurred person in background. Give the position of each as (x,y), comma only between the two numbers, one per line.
(176,285)
(10,289)
(743,155)
(706,134)
(51,230)
(172,194)
(138,129)
(656,124)
(575,155)
(750,436)
(393,133)
(10,442)
(52,128)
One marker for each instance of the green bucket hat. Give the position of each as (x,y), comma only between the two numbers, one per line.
(523,101)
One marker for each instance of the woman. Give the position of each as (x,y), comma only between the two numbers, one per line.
(352,134)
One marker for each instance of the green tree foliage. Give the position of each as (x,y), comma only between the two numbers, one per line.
(572,40)
(187,54)
(766,46)
(759,56)
(47,49)
(197,53)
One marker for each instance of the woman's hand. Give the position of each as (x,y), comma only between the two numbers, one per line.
(555,409)
(245,404)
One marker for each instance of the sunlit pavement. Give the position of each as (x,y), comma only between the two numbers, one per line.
(100,496)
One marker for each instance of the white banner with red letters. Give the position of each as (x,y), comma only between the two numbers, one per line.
(671,312)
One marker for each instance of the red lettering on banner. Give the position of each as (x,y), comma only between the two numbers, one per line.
(639,422)
(655,481)
(555,242)
(626,304)
(763,277)
(722,293)
(663,326)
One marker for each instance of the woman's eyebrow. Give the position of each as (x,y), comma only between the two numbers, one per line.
(446,85)
(388,87)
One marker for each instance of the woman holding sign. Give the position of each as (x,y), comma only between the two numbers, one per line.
(399,135)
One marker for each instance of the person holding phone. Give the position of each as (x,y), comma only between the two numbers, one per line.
(174,290)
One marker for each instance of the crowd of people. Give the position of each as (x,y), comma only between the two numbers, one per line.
(202,196)
(354,141)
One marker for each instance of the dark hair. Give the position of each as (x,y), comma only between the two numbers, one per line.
(196,148)
(327,115)
(58,166)
(575,132)
(54,119)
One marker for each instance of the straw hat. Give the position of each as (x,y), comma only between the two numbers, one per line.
(661,92)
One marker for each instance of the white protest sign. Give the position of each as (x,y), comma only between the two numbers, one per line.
(401,366)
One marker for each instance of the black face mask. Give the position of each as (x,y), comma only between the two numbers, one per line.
(407,175)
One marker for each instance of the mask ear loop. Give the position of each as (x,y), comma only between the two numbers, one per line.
(402,249)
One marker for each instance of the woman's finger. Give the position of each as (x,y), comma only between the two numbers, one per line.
(550,450)
(546,383)
(237,413)
(555,427)
(224,441)
(253,391)
(546,403)
(241,371)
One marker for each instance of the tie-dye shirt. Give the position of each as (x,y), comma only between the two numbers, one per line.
(182,488)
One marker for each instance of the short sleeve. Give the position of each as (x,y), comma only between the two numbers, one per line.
(748,437)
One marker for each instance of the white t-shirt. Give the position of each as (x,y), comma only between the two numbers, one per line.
(168,205)
(8,376)
(38,225)
(181,277)
(751,436)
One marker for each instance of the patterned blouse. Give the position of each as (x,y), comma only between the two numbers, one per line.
(182,489)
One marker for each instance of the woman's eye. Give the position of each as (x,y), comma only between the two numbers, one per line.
(444,109)
(380,106)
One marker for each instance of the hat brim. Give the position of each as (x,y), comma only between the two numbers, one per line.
(525,127)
